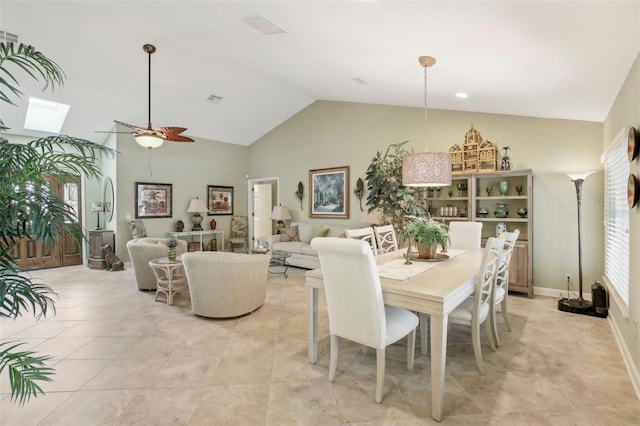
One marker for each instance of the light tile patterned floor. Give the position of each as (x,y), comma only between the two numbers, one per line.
(123,359)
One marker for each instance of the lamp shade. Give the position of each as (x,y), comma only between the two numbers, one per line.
(580,175)
(97,207)
(149,141)
(197,206)
(280,213)
(426,169)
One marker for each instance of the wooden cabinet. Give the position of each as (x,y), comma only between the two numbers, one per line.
(99,238)
(484,205)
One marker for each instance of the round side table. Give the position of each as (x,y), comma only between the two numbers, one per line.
(170,277)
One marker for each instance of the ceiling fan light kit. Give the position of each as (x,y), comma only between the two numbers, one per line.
(153,138)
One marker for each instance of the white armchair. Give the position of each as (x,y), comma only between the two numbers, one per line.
(224,284)
(141,251)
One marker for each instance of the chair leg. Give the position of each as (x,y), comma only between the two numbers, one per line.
(380,358)
(487,326)
(505,312)
(411,349)
(494,326)
(424,334)
(477,350)
(333,357)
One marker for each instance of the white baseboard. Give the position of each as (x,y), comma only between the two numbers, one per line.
(634,375)
(557,294)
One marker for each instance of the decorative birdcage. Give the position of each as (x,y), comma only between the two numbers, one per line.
(476,155)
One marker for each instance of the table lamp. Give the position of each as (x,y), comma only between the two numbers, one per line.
(196,206)
(97,208)
(280,213)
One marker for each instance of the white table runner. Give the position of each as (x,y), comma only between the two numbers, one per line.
(397,270)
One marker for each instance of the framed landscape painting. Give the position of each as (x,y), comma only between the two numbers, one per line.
(329,195)
(153,200)
(220,200)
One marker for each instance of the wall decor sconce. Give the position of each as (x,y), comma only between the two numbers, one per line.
(300,193)
(359,191)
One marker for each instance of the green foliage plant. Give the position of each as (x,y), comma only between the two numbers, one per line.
(386,192)
(426,231)
(30,210)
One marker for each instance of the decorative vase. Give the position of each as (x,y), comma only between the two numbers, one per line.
(502,210)
(427,252)
(213,224)
(504,187)
(171,253)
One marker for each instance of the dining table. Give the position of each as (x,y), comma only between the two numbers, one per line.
(432,288)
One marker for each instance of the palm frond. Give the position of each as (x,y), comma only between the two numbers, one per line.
(31,61)
(19,294)
(25,369)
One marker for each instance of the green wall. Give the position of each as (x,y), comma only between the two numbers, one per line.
(330,134)
(624,113)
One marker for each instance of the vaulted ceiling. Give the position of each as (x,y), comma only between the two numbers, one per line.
(549,59)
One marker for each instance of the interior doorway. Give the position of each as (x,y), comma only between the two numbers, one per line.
(263,195)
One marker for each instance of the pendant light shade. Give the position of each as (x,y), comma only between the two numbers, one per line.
(426,168)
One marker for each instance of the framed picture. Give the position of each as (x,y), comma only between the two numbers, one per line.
(153,200)
(329,196)
(220,200)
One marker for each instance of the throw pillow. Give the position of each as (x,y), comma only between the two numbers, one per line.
(319,232)
(289,234)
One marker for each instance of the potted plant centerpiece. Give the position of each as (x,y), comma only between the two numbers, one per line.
(428,234)
(171,243)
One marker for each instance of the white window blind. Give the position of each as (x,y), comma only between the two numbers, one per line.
(616,219)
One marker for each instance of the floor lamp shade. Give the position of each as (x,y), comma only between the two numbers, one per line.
(197,206)
(426,169)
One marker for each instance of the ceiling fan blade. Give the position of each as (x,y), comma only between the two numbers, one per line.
(131,126)
(174,130)
(172,137)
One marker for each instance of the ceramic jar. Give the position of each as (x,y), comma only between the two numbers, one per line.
(504,187)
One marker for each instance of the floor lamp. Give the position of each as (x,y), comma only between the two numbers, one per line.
(579,305)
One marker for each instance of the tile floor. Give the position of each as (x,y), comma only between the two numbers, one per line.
(123,359)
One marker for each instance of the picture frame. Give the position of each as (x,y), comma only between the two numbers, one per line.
(153,200)
(329,192)
(220,200)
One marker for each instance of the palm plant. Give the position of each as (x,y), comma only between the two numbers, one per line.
(30,210)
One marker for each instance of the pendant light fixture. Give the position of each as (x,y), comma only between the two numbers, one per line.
(426,168)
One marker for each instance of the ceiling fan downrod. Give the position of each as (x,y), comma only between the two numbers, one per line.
(150,49)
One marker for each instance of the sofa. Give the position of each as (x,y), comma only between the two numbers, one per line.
(296,240)
(141,251)
(224,284)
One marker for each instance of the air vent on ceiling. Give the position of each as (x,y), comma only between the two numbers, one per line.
(264,25)
(7,36)
(214,99)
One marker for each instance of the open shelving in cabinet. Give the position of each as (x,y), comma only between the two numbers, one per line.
(453,203)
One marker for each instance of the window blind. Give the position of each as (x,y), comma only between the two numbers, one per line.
(616,219)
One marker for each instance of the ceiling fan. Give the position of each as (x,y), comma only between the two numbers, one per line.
(150,137)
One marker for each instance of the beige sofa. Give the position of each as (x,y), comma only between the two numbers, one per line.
(141,251)
(225,285)
(302,255)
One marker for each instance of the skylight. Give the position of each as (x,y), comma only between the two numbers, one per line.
(45,116)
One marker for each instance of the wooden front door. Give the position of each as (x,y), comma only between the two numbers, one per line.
(31,254)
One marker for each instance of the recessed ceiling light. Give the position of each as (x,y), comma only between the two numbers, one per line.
(461,95)
(45,116)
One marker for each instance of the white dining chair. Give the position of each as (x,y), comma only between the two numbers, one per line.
(501,291)
(476,309)
(465,234)
(355,305)
(385,238)
(364,234)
